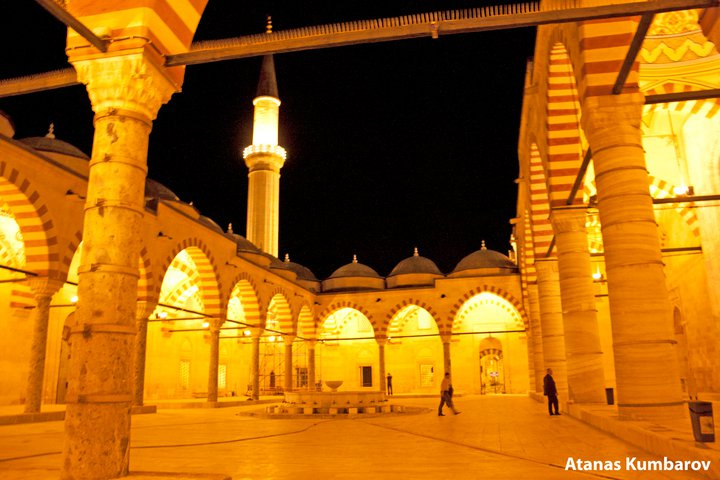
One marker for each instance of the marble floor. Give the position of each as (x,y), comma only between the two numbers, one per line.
(497,437)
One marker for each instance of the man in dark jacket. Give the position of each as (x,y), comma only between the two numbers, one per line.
(550,390)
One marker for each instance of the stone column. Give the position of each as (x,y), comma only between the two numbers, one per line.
(551,320)
(126,93)
(647,375)
(214,331)
(43,289)
(381,341)
(447,366)
(311,364)
(255,362)
(288,340)
(585,374)
(144,310)
(538,363)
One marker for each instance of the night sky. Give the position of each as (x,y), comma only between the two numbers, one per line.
(390,145)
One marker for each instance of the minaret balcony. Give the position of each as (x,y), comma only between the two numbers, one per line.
(265,149)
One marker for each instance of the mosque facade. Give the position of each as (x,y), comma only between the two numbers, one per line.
(115,293)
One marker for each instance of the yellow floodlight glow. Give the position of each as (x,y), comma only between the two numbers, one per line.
(74,299)
(206,324)
(247,333)
(162,315)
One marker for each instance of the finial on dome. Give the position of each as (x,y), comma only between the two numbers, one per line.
(229,230)
(51,131)
(287,257)
(482,245)
(415,253)
(268,26)
(354,258)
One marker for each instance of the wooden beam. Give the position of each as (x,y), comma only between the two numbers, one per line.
(64,16)
(635,45)
(37,83)
(682,96)
(580,177)
(415,26)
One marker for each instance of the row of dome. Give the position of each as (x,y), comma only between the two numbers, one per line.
(413,271)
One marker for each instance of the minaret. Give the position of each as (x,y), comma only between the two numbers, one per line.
(264,159)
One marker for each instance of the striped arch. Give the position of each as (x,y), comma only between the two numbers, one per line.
(539,204)
(527,254)
(70,248)
(661,189)
(346,304)
(183,290)
(603,47)
(708,108)
(36,225)
(245,291)
(306,327)
(390,320)
(206,272)
(279,315)
(146,283)
(564,143)
(490,289)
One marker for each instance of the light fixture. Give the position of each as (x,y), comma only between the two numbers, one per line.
(206,324)
(271,338)
(74,299)
(597,275)
(162,315)
(247,333)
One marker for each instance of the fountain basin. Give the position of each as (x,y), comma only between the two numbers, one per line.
(324,400)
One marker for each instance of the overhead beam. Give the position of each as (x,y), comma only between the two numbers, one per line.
(635,45)
(415,26)
(686,199)
(682,96)
(37,83)
(580,177)
(61,14)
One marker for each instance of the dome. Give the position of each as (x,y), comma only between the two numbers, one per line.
(49,143)
(353,276)
(415,264)
(243,244)
(354,269)
(210,223)
(303,273)
(154,189)
(485,259)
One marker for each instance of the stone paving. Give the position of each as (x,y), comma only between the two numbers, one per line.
(498,437)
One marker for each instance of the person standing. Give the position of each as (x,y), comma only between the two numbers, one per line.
(550,390)
(446,392)
(389,384)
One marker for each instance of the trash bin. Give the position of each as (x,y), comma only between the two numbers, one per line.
(701,416)
(610,394)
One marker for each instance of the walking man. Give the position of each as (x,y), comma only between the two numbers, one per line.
(446,391)
(550,390)
(389,383)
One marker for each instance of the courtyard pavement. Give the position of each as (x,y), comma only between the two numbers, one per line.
(497,437)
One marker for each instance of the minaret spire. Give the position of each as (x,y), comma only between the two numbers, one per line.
(264,159)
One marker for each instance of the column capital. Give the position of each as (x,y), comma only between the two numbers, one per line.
(44,286)
(569,219)
(288,339)
(546,266)
(144,309)
(381,340)
(131,83)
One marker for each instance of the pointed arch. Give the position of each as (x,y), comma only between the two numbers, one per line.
(245,290)
(457,306)
(564,143)
(33,218)
(387,328)
(279,315)
(348,304)
(206,271)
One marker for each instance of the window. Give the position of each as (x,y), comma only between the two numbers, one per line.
(301,374)
(185,374)
(222,376)
(427,375)
(366,376)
